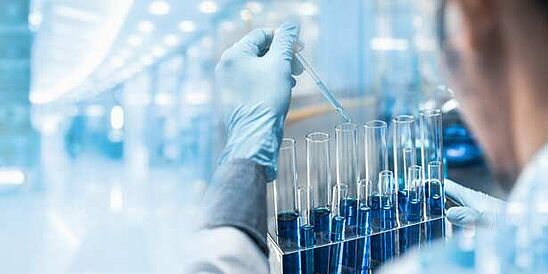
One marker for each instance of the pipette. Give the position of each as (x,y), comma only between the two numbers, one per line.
(328,95)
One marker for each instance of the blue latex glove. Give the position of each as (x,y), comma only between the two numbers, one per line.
(255,81)
(477,207)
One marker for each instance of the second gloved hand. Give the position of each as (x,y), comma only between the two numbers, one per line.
(255,80)
(477,207)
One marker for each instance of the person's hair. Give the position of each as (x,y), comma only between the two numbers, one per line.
(543,5)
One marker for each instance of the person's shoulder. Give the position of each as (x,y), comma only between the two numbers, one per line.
(533,178)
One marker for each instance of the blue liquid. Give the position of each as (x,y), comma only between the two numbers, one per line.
(321,221)
(349,208)
(336,252)
(435,229)
(307,256)
(410,212)
(388,239)
(364,244)
(383,216)
(288,238)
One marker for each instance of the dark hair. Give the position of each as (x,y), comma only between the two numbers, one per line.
(543,5)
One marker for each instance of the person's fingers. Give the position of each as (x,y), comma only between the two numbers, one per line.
(285,37)
(471,198)
(463,216)
(458,193)
(255,43)
(296,67)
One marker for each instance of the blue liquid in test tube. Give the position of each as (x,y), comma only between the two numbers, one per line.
(288,239)
(346,145)
(285,187)
(363,262)
(376,162)
(319,179)
(305,206)
(431,134)
(338,225)
(411,209)
(435,202)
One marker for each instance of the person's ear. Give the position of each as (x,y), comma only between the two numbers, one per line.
(471,21)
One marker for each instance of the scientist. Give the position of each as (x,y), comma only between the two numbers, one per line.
(496,54)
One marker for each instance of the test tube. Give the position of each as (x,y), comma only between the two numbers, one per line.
(404,154)
(435,201)
(346,139)
(376,151)
(305,206)
(413,209)
(431,130)
(376,160)
(318,171)
(388,215)
(319,178)
(431,136)
(338,223)
(364,226)
(285,206)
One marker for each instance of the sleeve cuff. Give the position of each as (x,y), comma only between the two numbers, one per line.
(237,198)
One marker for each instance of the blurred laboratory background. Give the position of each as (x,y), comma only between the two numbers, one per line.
(109,130)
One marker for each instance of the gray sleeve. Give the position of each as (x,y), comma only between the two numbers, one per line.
(237,198)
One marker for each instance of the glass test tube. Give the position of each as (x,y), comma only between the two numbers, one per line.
(319,178)
(285,206)
(413,209)
(403,138)
(376,160)
(346,139)
(305,206)
(347,173)
(431,131)
(318,171)
(364,227)
(338,224)
(376,151)
(388,215)
(435,204)
(431,135)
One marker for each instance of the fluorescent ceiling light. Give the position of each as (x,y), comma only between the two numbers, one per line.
(146,26)
(35,19)
(117,117)
(208,6)
(187,26)
(159,8)
(11,176)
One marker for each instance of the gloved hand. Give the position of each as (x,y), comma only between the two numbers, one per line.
(478,207)
(255,81)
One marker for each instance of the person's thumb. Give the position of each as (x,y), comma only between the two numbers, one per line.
(285,37)
(463,216)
